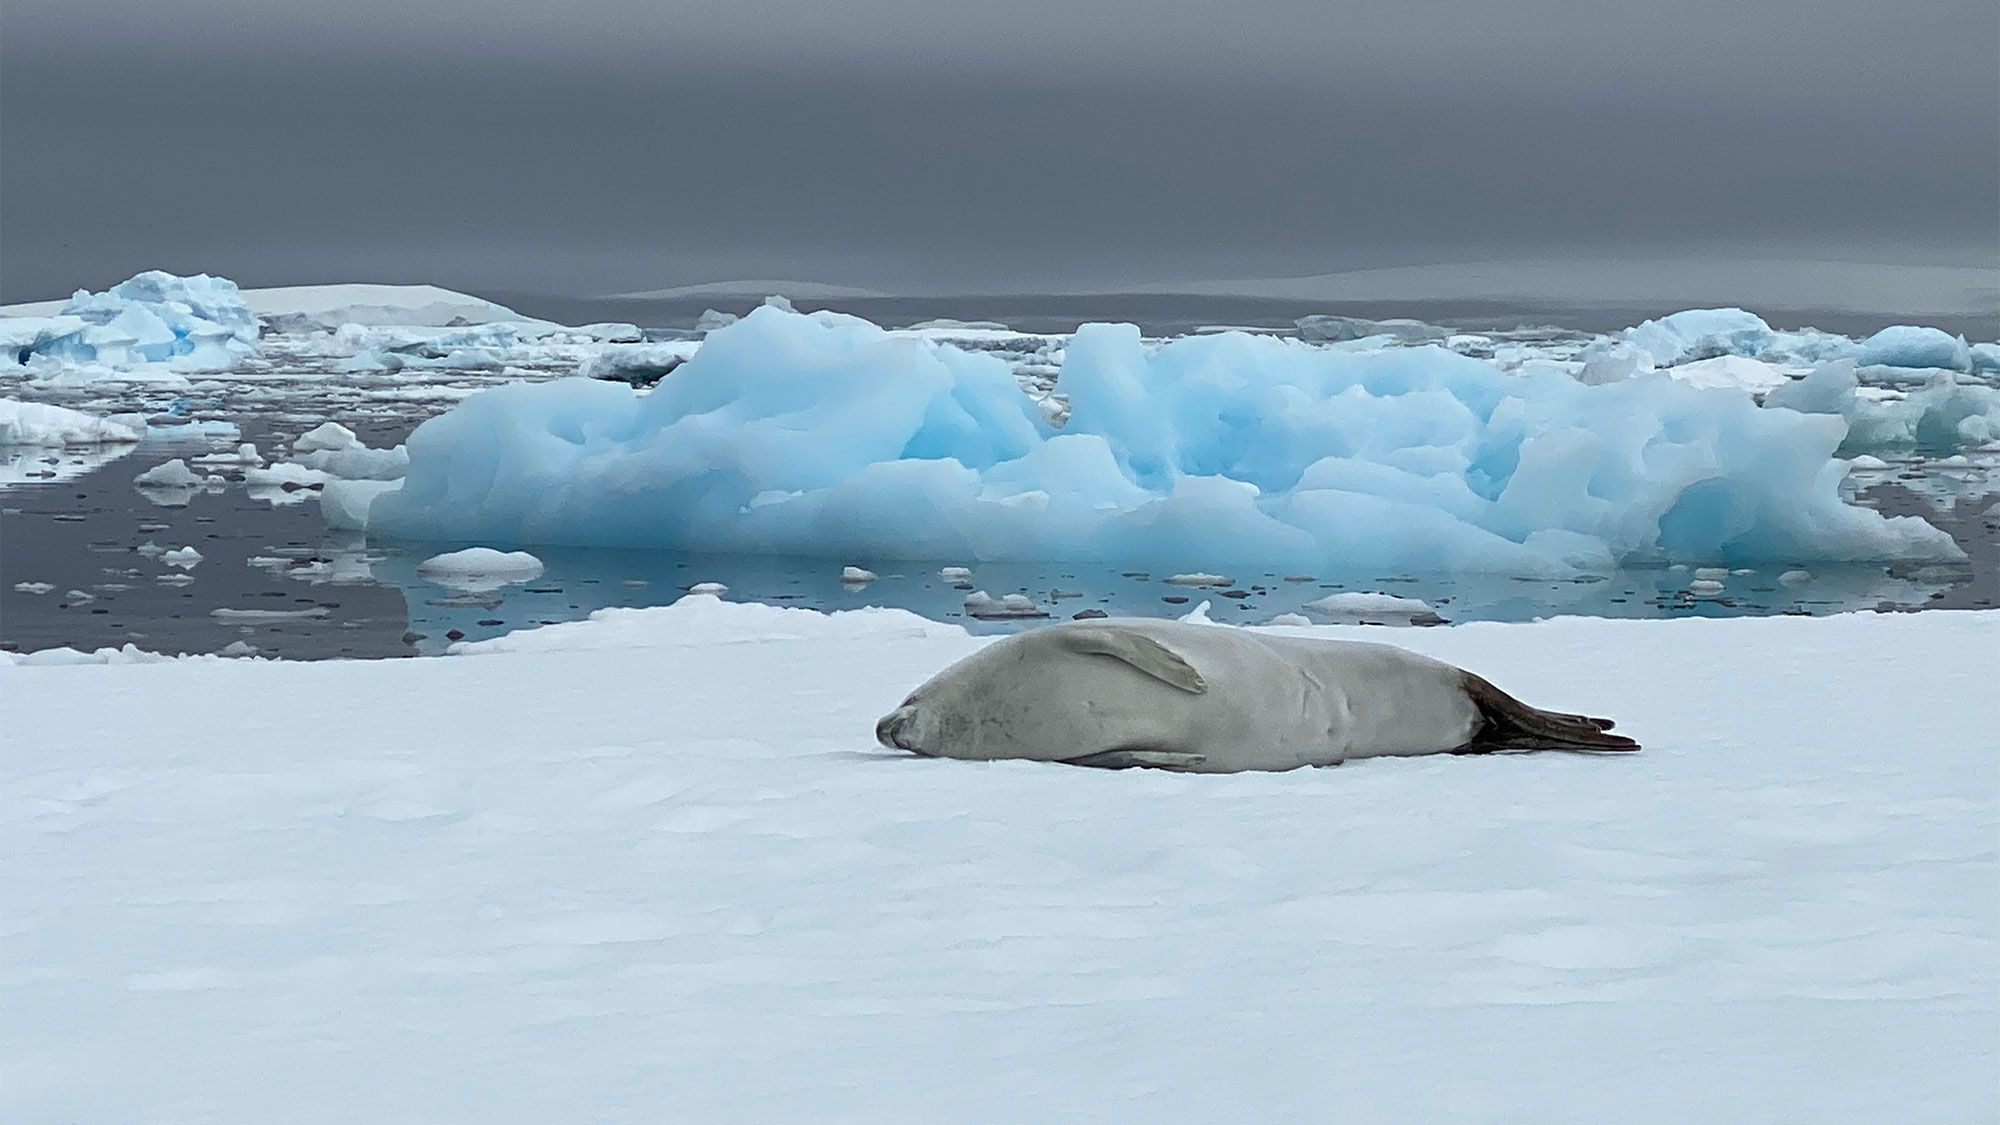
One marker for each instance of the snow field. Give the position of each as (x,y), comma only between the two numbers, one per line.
(652,866)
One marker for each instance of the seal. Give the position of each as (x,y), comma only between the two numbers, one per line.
(1123,692)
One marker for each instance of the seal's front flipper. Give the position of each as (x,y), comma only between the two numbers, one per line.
(1128,759)
(1140,652)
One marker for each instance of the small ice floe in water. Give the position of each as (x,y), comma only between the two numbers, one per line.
(986,607)
(79,597)
(286,473)
(173,474)
(1796,577)
(35,423)
(226,614)
(1373,608)
(855,576)
(33,587)
(150,549)
(1711,573)
(1866,461)
(1704,586)
(712,589)
(1199,579)
(955,574)
(480,568)
(174,579)
(237,648)
(183,557)
(245,454)
(1291,619)
(326,435)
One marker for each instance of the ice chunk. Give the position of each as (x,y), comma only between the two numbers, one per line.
(197,323)
(1609,361)
(1733,372)
(825,435)
(1356,605)
(172,474)
(856,576)
(480,568)
(285,473)
(711,589)
(1908,345)
(182,557)
(325,436)
(1796,577)
(1985,358)
(638,365)
(710,320)
(1198,578)
(358,462)
(33,587)
(986,607)
(955,573)
(36,423)
(1701,334)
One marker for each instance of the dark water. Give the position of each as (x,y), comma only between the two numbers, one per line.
(311,593)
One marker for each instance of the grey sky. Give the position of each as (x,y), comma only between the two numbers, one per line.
(606,145)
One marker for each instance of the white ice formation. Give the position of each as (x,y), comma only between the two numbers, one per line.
(826,435)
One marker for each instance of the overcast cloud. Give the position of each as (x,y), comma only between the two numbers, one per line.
(608,145)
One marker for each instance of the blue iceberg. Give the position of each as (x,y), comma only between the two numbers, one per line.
(825,435)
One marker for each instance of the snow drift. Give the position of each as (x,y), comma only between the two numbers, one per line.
(825,435)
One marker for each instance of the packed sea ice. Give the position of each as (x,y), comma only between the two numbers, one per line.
(824,434)
(472,888)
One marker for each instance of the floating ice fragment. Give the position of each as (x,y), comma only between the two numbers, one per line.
(33,587)
(856,576)
(36,423)
(173,474)
(712,589)
(1908,345)
(1199,578)
(955,573)
(480,568)
(227,614)
(237,648)
(182,557)
(1796,577)
(985,606)
(327,436)
(1705,586)
(1355,605)
(1291,619)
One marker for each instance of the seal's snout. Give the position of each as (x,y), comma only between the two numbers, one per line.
(895,728)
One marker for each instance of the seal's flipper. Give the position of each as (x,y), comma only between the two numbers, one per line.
(1128,759)
(1509,724)
(1141,652)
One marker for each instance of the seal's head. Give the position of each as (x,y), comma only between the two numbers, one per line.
(908,727)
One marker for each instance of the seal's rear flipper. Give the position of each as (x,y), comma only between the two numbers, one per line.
(1513,725)
(1127,759)
(1139,651)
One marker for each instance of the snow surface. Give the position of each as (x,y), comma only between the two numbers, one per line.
(824,434)
(653,867)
